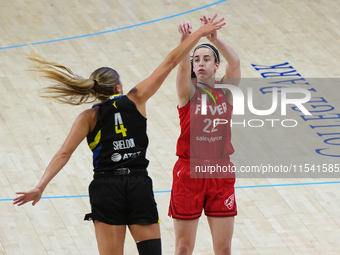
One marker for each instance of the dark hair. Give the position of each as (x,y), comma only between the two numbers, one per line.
(208,46)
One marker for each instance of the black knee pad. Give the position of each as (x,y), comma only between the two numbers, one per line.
(150,247)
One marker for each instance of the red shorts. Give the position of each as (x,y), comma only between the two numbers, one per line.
(190,195)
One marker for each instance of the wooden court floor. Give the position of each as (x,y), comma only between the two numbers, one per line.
(287,214)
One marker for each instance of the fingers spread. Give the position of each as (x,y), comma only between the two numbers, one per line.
(22,202)
(185,27)
(18,198)
(19,201)
(180,28)
(213,18)
(189,27)
(218,23)
(205,19)
(202,22)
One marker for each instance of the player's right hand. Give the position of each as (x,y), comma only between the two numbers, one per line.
(185,28)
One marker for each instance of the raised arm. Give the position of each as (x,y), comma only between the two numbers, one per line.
(233,69)
(184,68)
(144,90)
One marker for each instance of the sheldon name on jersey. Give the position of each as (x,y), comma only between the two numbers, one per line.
(124,144)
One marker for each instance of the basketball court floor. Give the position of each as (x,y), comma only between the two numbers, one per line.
(295,210)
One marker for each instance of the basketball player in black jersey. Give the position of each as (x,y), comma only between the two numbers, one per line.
(121,193)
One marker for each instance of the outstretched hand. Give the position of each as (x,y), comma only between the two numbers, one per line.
(27,196)
(213,35)
(210,25)
(185,28)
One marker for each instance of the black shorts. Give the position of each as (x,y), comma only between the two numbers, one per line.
(122,200)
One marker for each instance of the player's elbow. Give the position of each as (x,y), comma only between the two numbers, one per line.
(172,62)
(64,154)
(236,63)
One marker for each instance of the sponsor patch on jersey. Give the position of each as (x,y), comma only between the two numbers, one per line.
(131,155)
(116,157)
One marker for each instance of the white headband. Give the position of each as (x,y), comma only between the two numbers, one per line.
(207,46)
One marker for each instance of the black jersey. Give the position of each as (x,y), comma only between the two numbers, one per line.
(119,139)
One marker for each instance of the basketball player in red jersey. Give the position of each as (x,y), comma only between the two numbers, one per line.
(201,143)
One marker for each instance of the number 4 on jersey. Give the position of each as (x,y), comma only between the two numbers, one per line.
(119,122)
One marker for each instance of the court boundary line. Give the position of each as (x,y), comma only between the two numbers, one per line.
(115,29)
(237,187)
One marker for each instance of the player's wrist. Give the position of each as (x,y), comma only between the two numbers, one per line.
(41,188)
(184,36)
(214,40)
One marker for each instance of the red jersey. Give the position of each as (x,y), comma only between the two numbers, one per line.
(202,148)
(199,138)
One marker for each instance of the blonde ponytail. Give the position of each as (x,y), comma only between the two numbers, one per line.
(71,88)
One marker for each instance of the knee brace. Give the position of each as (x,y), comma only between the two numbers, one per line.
(150,247)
